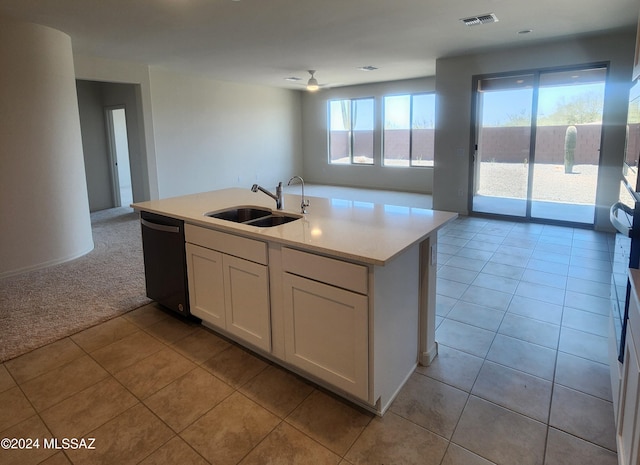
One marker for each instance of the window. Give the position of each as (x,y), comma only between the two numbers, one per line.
(351,131)
(409,126)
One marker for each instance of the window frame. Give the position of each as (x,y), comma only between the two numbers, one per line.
(350,131)
(411,96)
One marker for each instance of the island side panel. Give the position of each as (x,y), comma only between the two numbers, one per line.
(276,272)
(428,268)
(394,339)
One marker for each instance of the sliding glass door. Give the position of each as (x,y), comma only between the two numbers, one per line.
(538,144)
(501,178)
(567,145)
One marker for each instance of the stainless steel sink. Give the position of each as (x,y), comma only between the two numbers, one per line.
(254,216)
(241,214)
(273,220)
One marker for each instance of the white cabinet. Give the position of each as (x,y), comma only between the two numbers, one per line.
(352,327)
(326,333)
(628,419)
(246,298)
(229,284)
(628,425)
(206,288)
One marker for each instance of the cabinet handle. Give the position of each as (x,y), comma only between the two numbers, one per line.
(160,227)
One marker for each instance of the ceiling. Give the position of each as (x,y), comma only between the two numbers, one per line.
(265,41)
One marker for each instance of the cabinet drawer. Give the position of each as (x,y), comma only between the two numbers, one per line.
(327,270)
(249,249)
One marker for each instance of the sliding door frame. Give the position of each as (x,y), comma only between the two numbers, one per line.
(473,142)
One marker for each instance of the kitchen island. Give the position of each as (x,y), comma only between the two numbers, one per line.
(344,295)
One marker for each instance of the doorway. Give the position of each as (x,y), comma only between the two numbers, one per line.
(118,144)
(537,144)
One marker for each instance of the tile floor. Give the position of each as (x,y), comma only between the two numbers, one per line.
(521,377)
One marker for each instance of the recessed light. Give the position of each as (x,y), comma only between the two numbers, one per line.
(525,31)
(367,68)
(292,79)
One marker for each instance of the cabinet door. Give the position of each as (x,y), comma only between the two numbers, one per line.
(326,333)
(628,416)
(247,305)
(206,292)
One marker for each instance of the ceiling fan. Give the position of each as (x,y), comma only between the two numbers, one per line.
(312,84)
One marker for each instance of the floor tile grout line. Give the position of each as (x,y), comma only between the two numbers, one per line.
(553,386)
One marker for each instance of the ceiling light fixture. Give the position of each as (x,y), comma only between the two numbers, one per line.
(480,19)
(312,83)
(367,68)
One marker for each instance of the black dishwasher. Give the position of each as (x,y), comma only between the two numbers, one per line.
(165,262)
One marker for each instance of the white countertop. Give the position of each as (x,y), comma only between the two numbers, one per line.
(368,232)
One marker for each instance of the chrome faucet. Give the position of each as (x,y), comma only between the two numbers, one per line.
(304,203)
(277,197)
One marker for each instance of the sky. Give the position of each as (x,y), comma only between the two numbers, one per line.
(499,105)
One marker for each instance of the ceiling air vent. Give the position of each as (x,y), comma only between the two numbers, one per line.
(480,19)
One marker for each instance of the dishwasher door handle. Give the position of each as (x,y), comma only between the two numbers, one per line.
(160,227)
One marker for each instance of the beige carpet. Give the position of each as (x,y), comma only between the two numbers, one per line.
(45,305)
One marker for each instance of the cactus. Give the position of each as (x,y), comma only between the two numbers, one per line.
(570,138)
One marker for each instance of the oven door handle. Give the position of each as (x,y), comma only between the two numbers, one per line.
(615,221)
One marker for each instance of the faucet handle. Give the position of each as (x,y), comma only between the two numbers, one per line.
(303,206)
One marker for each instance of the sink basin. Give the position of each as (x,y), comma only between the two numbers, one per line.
(241,214)
(273,220)
(254,216)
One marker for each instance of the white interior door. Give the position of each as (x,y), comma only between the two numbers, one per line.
(119,152)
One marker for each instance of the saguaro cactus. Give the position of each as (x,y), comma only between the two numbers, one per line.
(570,138)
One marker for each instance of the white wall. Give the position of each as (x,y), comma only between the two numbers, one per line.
(212,134)
(209,134)
(315,149)
(44,208)
(94,145)
(453,110)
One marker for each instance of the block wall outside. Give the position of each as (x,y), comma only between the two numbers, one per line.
(498,144)
(511,144)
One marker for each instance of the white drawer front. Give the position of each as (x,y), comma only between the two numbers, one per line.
(242,247)
(338,273)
